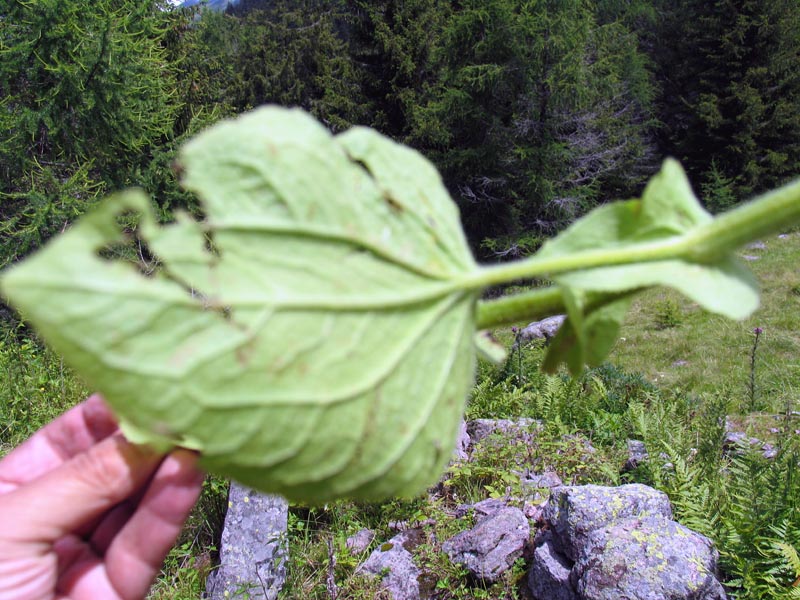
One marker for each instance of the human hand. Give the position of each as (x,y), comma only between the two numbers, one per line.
(85,514)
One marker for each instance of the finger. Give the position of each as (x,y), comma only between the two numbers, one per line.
(135,556)
(82,573)
(109,526)
(86,577)
(72,433)
(80,490)
(103,530)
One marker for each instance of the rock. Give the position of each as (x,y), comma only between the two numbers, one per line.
(547,480)
(545,329)
(750,257)
(461,451)
(484,508)
(649,558)
(532,486)
(253,551)
(769,451)
(756,246)
(360,541)
(480,429)
(490,548)
(637,454)
(574,512)
(548,577)
(738,443)
(394,564)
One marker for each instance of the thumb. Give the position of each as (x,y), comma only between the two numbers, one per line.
(76,492)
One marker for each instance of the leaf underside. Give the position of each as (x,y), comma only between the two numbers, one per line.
(309,337)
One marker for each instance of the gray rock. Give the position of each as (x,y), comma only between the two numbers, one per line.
(738,443)
(480,429)
(394,564)
(756,246)
(750,257)
(545,329)
(481,509)
(253,552)
(533,486)
(637,454)
(574,512)
(360,541)
(738,440)
(547,480)
(490,548)
(650,558)
(548,577)
(461,451)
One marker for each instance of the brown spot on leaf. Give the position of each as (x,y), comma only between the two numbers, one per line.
(394,204)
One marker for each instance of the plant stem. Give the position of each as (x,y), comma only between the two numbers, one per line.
(752,389)
(520,307)
(536,266)
(765,215)
(762,216)
(533,305)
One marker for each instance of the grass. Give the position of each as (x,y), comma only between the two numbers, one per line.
(35,388)
(707,354)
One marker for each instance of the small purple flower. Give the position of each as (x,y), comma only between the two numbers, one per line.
(758,331)
(514,330)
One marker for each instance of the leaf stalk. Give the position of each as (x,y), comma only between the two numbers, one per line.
(765,215)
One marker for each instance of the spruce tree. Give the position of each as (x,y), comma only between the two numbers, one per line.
(730,89)
(392,43)
(538,113)
(293,54)
(87,93)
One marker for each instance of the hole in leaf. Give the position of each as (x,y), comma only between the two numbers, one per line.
(131,249)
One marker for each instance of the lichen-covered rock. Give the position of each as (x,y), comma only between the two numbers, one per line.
(360,541)
(544,481)
(523,428)
(481,509)
(637,454)
(649,558)
(737,443)
(394,564)
(253,552)
(545,329)
(548,577)
(490,548)
(461,451)
(573,512)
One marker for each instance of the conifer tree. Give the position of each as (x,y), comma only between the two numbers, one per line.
(392,44)
(87,92)
(730,89)
(294,54)
(538,112)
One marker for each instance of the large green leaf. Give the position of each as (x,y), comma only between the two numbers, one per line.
(668,209)
(309,337)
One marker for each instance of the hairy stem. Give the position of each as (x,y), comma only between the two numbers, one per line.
(762,216)
(533,305)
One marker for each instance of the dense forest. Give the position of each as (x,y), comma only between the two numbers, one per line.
(534,111)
